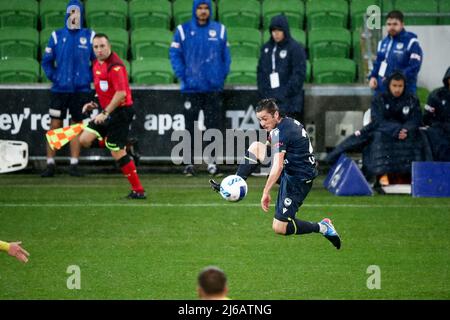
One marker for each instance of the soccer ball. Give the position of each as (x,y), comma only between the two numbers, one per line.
(233,188)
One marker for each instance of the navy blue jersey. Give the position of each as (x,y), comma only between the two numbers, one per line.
(291,138)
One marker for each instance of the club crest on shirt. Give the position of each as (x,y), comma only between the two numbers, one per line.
(83,40)
(287,202)
(104,85)
(399,46)
(405,110)
(386,106)
(266,50)
(283,54)
(212,33)
(187,105)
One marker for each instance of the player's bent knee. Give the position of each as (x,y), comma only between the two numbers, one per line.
(258,149)
(85,140)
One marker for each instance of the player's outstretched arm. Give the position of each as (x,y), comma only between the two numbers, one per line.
(14,249)
(275,172)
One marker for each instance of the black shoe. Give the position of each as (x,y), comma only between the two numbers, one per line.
(214,185)
(189,171)
(133,150)
(136,195)
(49,172)
(74,172)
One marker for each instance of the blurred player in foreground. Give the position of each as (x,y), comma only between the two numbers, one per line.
(293,167)
(212,284)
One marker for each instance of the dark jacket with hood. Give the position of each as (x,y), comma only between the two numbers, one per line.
(289,62)
(199,54)
(68,56)
(439,100)
(437,116)
(390,114)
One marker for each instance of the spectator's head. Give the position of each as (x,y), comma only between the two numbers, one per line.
(394,22)
(74,14)
(446,79)
(202,11)
(279,28)
(268,114)
(396,84)
(101,46)
(212,284)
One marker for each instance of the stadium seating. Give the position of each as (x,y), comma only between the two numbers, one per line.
(308,72)
(150,14)
(18,43)
(52,13)
(444,7)
(150,43)
(152,71)
(418,6)
(118,38)
(244,42)
(357,10)
(356,45)
(422,93)
(326,13)
(182,11)
(44,36)
(237,13)
(329,42)
(243,71)
(19,70)
(107,13)
(294,10)
(387,5)
(297,34)
(19,13)
(334,70)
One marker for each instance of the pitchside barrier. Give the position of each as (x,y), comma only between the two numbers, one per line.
(159,112)
(431,179)
(345,179)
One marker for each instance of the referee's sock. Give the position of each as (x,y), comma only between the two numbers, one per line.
(129,170)
(98,144)
(296,226)
(250,164)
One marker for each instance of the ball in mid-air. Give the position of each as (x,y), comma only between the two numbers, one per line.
(233,188)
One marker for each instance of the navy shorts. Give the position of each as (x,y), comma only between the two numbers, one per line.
(60,103)
(291,195)
(115,129)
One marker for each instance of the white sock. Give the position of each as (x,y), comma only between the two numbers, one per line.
(322,228)
(73,161)
(50,161)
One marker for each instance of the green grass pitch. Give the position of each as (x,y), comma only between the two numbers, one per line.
(154,249)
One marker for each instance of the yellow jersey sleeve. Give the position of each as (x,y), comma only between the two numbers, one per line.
(4,246)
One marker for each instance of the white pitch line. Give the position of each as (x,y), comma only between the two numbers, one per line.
(230,205)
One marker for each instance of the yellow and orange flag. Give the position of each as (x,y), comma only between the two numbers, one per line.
(57,138)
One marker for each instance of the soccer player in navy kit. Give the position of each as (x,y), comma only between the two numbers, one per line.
(293,167)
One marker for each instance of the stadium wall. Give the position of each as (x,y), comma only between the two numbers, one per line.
(24,116)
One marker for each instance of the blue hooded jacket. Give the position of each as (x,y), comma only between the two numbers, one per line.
(68,56)
(290,64)
(403,54)
(200,55)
